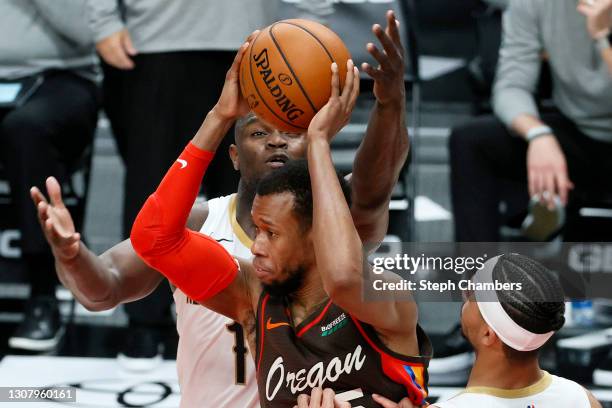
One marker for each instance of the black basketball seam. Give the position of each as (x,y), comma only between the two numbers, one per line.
(291,69)
(331,58)
(259,93)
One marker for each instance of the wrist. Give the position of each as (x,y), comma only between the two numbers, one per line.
(538,132)
(604,33)
(318,143)
(603,42)
(392,105)
(67,258)
(217,114)
(213,130)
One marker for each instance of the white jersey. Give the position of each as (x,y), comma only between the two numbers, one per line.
(550,391)
(213,363)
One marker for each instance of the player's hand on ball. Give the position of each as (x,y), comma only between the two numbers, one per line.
(336,113)
(116,50)
(319,398)
(387,403)
(389,75)
(231,104)
(56,221)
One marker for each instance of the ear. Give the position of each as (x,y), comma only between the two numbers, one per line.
(233,152)
(489,337)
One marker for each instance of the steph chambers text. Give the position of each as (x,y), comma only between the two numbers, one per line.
(426,285)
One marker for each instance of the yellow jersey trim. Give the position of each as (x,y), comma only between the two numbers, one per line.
(240,233)
(533,389)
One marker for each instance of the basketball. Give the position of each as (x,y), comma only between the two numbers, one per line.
(285,75)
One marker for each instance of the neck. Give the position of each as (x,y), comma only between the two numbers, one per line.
(311,294)
(493,369)
(244,204)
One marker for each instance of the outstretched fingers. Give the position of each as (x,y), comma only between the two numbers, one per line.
(54,191)
(392,29)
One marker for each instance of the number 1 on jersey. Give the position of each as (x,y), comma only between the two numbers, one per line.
(240,350)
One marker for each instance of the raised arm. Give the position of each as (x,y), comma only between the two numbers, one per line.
(193,262)
(97,282)
(384,149)
(338,249)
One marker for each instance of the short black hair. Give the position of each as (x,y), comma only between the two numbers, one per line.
(240,124)
(294,178)
(539,306)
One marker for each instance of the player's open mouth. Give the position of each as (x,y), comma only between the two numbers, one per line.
(277,160)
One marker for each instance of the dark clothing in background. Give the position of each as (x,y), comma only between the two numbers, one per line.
(155,109)
(45,137)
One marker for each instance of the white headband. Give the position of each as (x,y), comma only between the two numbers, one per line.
(497,318)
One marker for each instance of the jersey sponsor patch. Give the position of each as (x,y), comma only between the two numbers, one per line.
(334,326)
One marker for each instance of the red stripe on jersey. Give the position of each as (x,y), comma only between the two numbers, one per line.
(315,321)
(262,329)
(394,369)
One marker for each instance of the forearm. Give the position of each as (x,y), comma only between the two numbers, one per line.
(338,249)
(193,262)
(516,108)
(380,156)
(90,279)
(522,124)
(163,219)
(211,133)
(520,59)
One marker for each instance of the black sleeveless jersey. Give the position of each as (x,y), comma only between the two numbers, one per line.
(331,349)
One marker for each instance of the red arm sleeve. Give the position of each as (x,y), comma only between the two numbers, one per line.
(193,262)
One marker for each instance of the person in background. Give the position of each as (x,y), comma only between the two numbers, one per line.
(164,65)
(48,54)
(546,155)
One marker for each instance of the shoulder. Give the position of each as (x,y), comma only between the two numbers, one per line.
(572,391)
(592,401)
(202,209)
(198,215)
(251,282)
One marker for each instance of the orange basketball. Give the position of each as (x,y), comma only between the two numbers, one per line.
(285,74)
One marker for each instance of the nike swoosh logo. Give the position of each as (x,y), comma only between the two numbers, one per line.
(270,325)
(182,162)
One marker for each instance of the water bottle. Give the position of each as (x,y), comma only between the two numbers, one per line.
(582,313)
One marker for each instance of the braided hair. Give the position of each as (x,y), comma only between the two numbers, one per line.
(539,306)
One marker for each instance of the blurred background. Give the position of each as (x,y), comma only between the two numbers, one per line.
(451,61)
